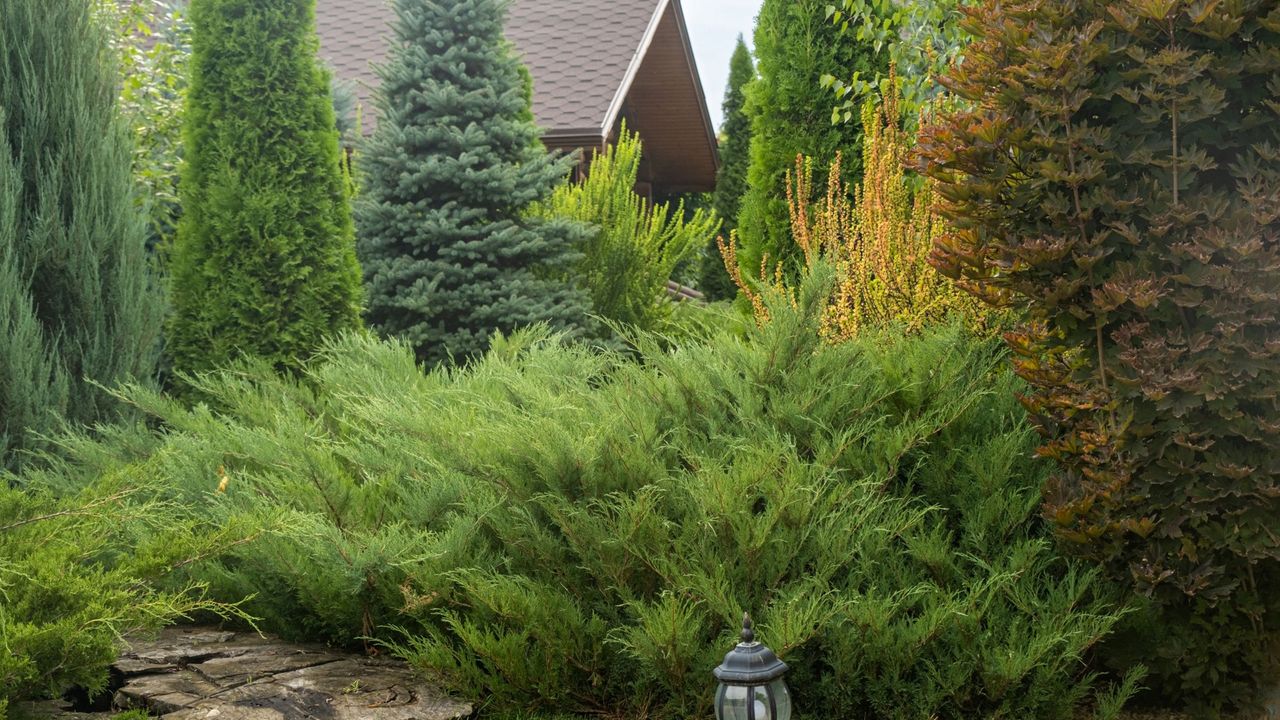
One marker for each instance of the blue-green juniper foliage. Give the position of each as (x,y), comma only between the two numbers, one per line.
(77,303)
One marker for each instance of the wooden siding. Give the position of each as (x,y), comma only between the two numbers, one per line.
(666,106)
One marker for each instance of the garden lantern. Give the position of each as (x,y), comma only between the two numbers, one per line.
(751,686)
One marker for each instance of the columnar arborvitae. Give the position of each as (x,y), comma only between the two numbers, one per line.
(449,255)
(791,115)
(735,156)
(264,264)
(77,303)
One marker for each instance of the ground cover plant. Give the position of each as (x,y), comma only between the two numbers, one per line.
(78,304)
(562,529)
(79,571)
(1123,186)
(450,253)
(264,261)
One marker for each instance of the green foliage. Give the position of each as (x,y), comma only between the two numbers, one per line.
(556,528)
(921,38)
(735,150)
(79,572)
(879,244)
(790,116)
(450,255)
(735,158)
(1122,185)
(346,110)
(152,39)
(77,302)
(264,263)
(636,245)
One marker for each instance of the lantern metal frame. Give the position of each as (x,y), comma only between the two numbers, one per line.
(751,665)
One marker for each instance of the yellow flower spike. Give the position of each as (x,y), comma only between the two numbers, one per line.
(879,237)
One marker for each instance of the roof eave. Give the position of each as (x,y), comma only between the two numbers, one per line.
(580,136)
(620,97)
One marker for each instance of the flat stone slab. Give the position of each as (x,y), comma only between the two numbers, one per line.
(202,674)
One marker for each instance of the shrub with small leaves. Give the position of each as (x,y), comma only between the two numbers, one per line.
(922,38)
(1116,169)
(634,245)
(152,39)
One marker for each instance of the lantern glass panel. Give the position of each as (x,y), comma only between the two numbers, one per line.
(731,702)
(781,699)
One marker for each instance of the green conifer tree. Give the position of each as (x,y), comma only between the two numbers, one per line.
(735,157)
(264,263)
(78,305)
(790,115)
(449,254)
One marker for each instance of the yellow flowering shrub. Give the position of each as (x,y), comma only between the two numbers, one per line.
(878,238)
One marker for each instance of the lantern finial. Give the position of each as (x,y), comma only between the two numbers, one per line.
(748,636)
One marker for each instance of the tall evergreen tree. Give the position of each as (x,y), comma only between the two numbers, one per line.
(77,303)
(448,251)
(264,264)
(735,157)
(790,115)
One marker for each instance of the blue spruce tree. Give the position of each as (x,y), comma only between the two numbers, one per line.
(449,255)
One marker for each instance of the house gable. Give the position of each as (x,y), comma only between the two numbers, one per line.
(594,63)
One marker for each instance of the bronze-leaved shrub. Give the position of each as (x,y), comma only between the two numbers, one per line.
(1116,169)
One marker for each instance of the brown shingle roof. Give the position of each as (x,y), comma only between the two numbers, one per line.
(578,51)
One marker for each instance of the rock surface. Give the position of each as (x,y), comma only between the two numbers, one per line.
(199,674)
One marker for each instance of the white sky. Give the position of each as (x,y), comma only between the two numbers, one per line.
(714,26)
